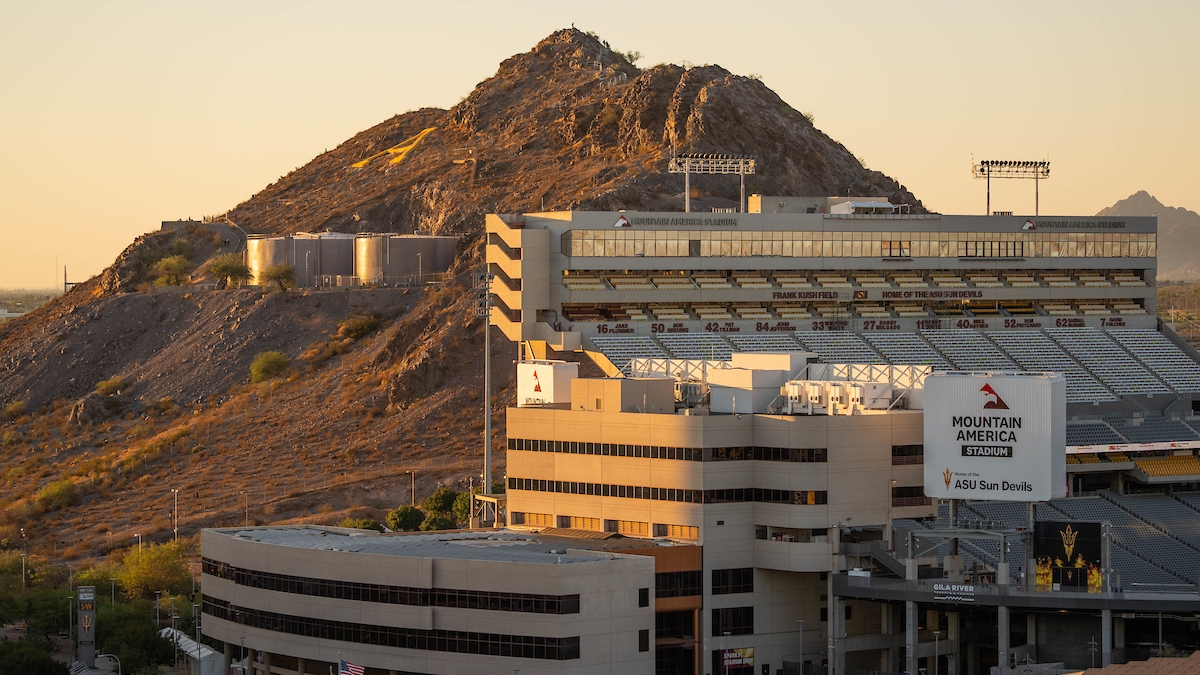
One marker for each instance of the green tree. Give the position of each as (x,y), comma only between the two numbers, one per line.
(436,522)
(284,275)
(405,518)
(128,631)
(441,502)
(157,567)
(361,524)
(172,270)
(462,507)
(267,365)
(229,268)
(28,658)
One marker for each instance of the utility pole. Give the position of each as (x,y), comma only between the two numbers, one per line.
(483,308)
(176,515)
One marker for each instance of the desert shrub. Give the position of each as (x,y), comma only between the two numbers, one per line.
(440,502)
(358,325)
(611,114)
(229,269)
(15,409)
(267,365)
(282,275)
(56,495)
(183,248)
(405,518)
(10,439)
(436,522)
(361,524)
(110,386)
(172,270)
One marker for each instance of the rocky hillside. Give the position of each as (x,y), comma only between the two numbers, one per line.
(570,124)
(111,396)
(1178,234)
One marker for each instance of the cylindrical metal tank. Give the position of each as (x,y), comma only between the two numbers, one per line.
(392,259)
(319,258)
(262,252)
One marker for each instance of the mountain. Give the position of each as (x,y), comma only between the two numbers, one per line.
(111,396)
(1178,234)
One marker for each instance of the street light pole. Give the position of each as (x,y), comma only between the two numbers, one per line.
(114,658)
(139,538)
(801,622)
(936,633)
(157,621)
(113,582)
(176,517)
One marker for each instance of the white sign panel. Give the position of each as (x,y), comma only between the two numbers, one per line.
(541,383)
(998,436)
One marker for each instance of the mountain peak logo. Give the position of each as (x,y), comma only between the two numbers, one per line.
(1029,225)
(623,222)
(992,400)
(946,475)
(537,384)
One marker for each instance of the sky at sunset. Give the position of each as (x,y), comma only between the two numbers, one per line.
(117,115)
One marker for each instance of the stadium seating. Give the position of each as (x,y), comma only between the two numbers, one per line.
(907,349)
(1035,352)
(786,280)
(582,282)
(968,350)
(1095,432)
(1135,534)
(765,342)
(709,346)
(673,283)
(1107,360)
(838,347)
(621,349)
(1151,427)
(630,283)
(1167,513)
(1182,466)
(1162,356)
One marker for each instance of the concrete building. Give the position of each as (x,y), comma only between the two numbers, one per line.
(302,598)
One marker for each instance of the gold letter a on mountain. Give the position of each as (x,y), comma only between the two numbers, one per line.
(400,151)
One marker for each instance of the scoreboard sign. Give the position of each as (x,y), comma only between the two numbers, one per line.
(999,436)
(86,600)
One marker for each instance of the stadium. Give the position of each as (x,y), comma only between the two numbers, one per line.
(821,548)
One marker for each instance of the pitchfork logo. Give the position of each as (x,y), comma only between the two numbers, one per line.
(992,400)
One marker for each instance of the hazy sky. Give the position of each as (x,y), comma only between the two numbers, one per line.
(117,115)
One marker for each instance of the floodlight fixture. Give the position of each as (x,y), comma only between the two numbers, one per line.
(711,163)
(989,168)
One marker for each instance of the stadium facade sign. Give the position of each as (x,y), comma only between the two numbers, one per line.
(998,436)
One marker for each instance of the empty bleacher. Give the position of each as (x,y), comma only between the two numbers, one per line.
(621,349)
(710,346)
(1170,514)
(1163,357)
(1119,371)
(1035,352)
(839,347)
(765,342)
(1183,466)
(1151,427)
(968,349)
(1093,432)
(907,349)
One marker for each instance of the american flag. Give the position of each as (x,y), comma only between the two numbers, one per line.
(345,668)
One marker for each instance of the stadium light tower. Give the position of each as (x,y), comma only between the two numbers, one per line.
(986,169)
(690,163)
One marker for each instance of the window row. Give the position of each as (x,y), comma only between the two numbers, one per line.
(809,497)
(394,595)
(455,641)
(733,620)
(738,580)
(813,244)
(664,452)
(678,584)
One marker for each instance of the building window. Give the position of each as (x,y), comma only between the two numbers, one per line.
(733,620)
(824,614)
(910,496)
(766,454)
(676,531)
(738,580)
(678,584)
(908,454)
(643,597)
(644,640)
(453,641)
(628,527)
(849,613)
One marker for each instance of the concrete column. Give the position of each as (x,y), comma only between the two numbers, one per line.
(1031,635)
(252,660)
(1118,632)
(1106,642)
(228,661)
(837,622)
(910,637)
(266,663)
(972,657)
(1002,622)
(953,635)
(301,667)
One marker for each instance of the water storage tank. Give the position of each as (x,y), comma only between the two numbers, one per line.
(322,257)
(262,252)
(393,259)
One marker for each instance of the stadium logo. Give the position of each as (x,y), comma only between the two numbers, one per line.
(946,476)
(623,222)
(537,384)
(1029,225)
(992,400)
(1068,539)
